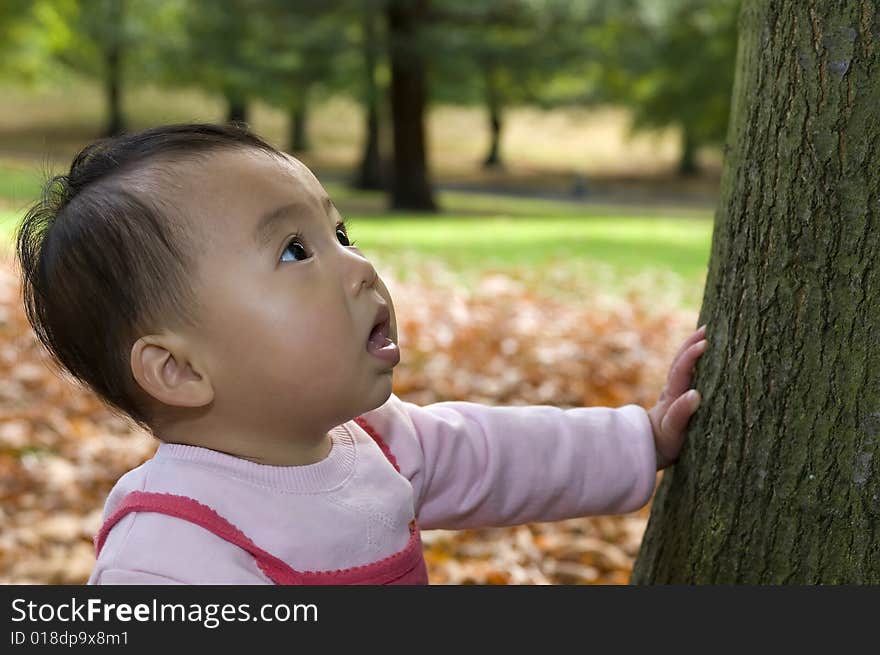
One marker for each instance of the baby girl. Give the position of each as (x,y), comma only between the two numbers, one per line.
(204,284)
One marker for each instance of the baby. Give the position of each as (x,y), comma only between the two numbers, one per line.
(204,284)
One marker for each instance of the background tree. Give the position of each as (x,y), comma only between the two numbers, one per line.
(513,53)
(15,18)
(407,21)
(97,38)
(779,480)
(370,173)
(672,64)
(222,53)
(301,45)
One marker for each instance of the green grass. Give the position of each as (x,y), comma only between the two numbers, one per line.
(8,221)
(480,232)
(483,231)
(625,242)
(18,184)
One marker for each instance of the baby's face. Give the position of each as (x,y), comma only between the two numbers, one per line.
(285,320)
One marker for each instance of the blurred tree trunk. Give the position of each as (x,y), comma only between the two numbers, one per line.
(112,48)
(236,109)
(299,138)
(493,104)
(687,165)
(112,86)
(370,171)
(410,188)
(369,174)
(779,480)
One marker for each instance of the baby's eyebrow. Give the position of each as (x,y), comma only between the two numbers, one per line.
(266,224)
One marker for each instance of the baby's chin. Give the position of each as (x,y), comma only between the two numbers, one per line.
(377,396)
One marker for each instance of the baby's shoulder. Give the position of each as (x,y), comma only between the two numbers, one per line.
(176,549)
(148,543)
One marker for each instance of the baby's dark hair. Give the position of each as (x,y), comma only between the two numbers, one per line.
(104,257)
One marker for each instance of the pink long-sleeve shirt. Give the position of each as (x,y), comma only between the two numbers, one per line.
(462,465)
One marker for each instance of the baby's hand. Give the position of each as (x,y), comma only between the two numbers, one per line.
(670,416)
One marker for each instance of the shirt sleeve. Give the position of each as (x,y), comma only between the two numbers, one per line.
(474,465)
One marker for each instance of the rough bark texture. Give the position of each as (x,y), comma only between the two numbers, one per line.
(779,480)
(410,187)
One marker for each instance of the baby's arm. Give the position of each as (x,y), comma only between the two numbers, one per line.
(478,465)
(474,465)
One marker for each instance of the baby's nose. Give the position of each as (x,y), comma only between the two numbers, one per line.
(364,274)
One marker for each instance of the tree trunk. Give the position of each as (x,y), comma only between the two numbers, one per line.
(493,104)
(410,188)
(299,139)
(236,109)
(779,479)
(369,174)
(687,165)
(113,75)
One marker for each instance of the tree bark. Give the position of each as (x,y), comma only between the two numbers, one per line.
(369,175)
(410,188)
(779,479)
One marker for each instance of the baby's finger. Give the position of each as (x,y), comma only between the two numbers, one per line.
(691,340)
(679,413)
(681,373)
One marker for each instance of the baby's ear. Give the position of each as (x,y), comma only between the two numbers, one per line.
(164,368)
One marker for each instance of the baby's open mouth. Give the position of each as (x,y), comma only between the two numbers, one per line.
(379,335)
(379,344)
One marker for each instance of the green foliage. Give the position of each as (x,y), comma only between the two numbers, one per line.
(512,53)
(77,33)
(246,49)
(15,16)
(308,48)
(672,63)
(27,38)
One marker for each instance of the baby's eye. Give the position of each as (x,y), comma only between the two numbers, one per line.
(342,236)
(294,247)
